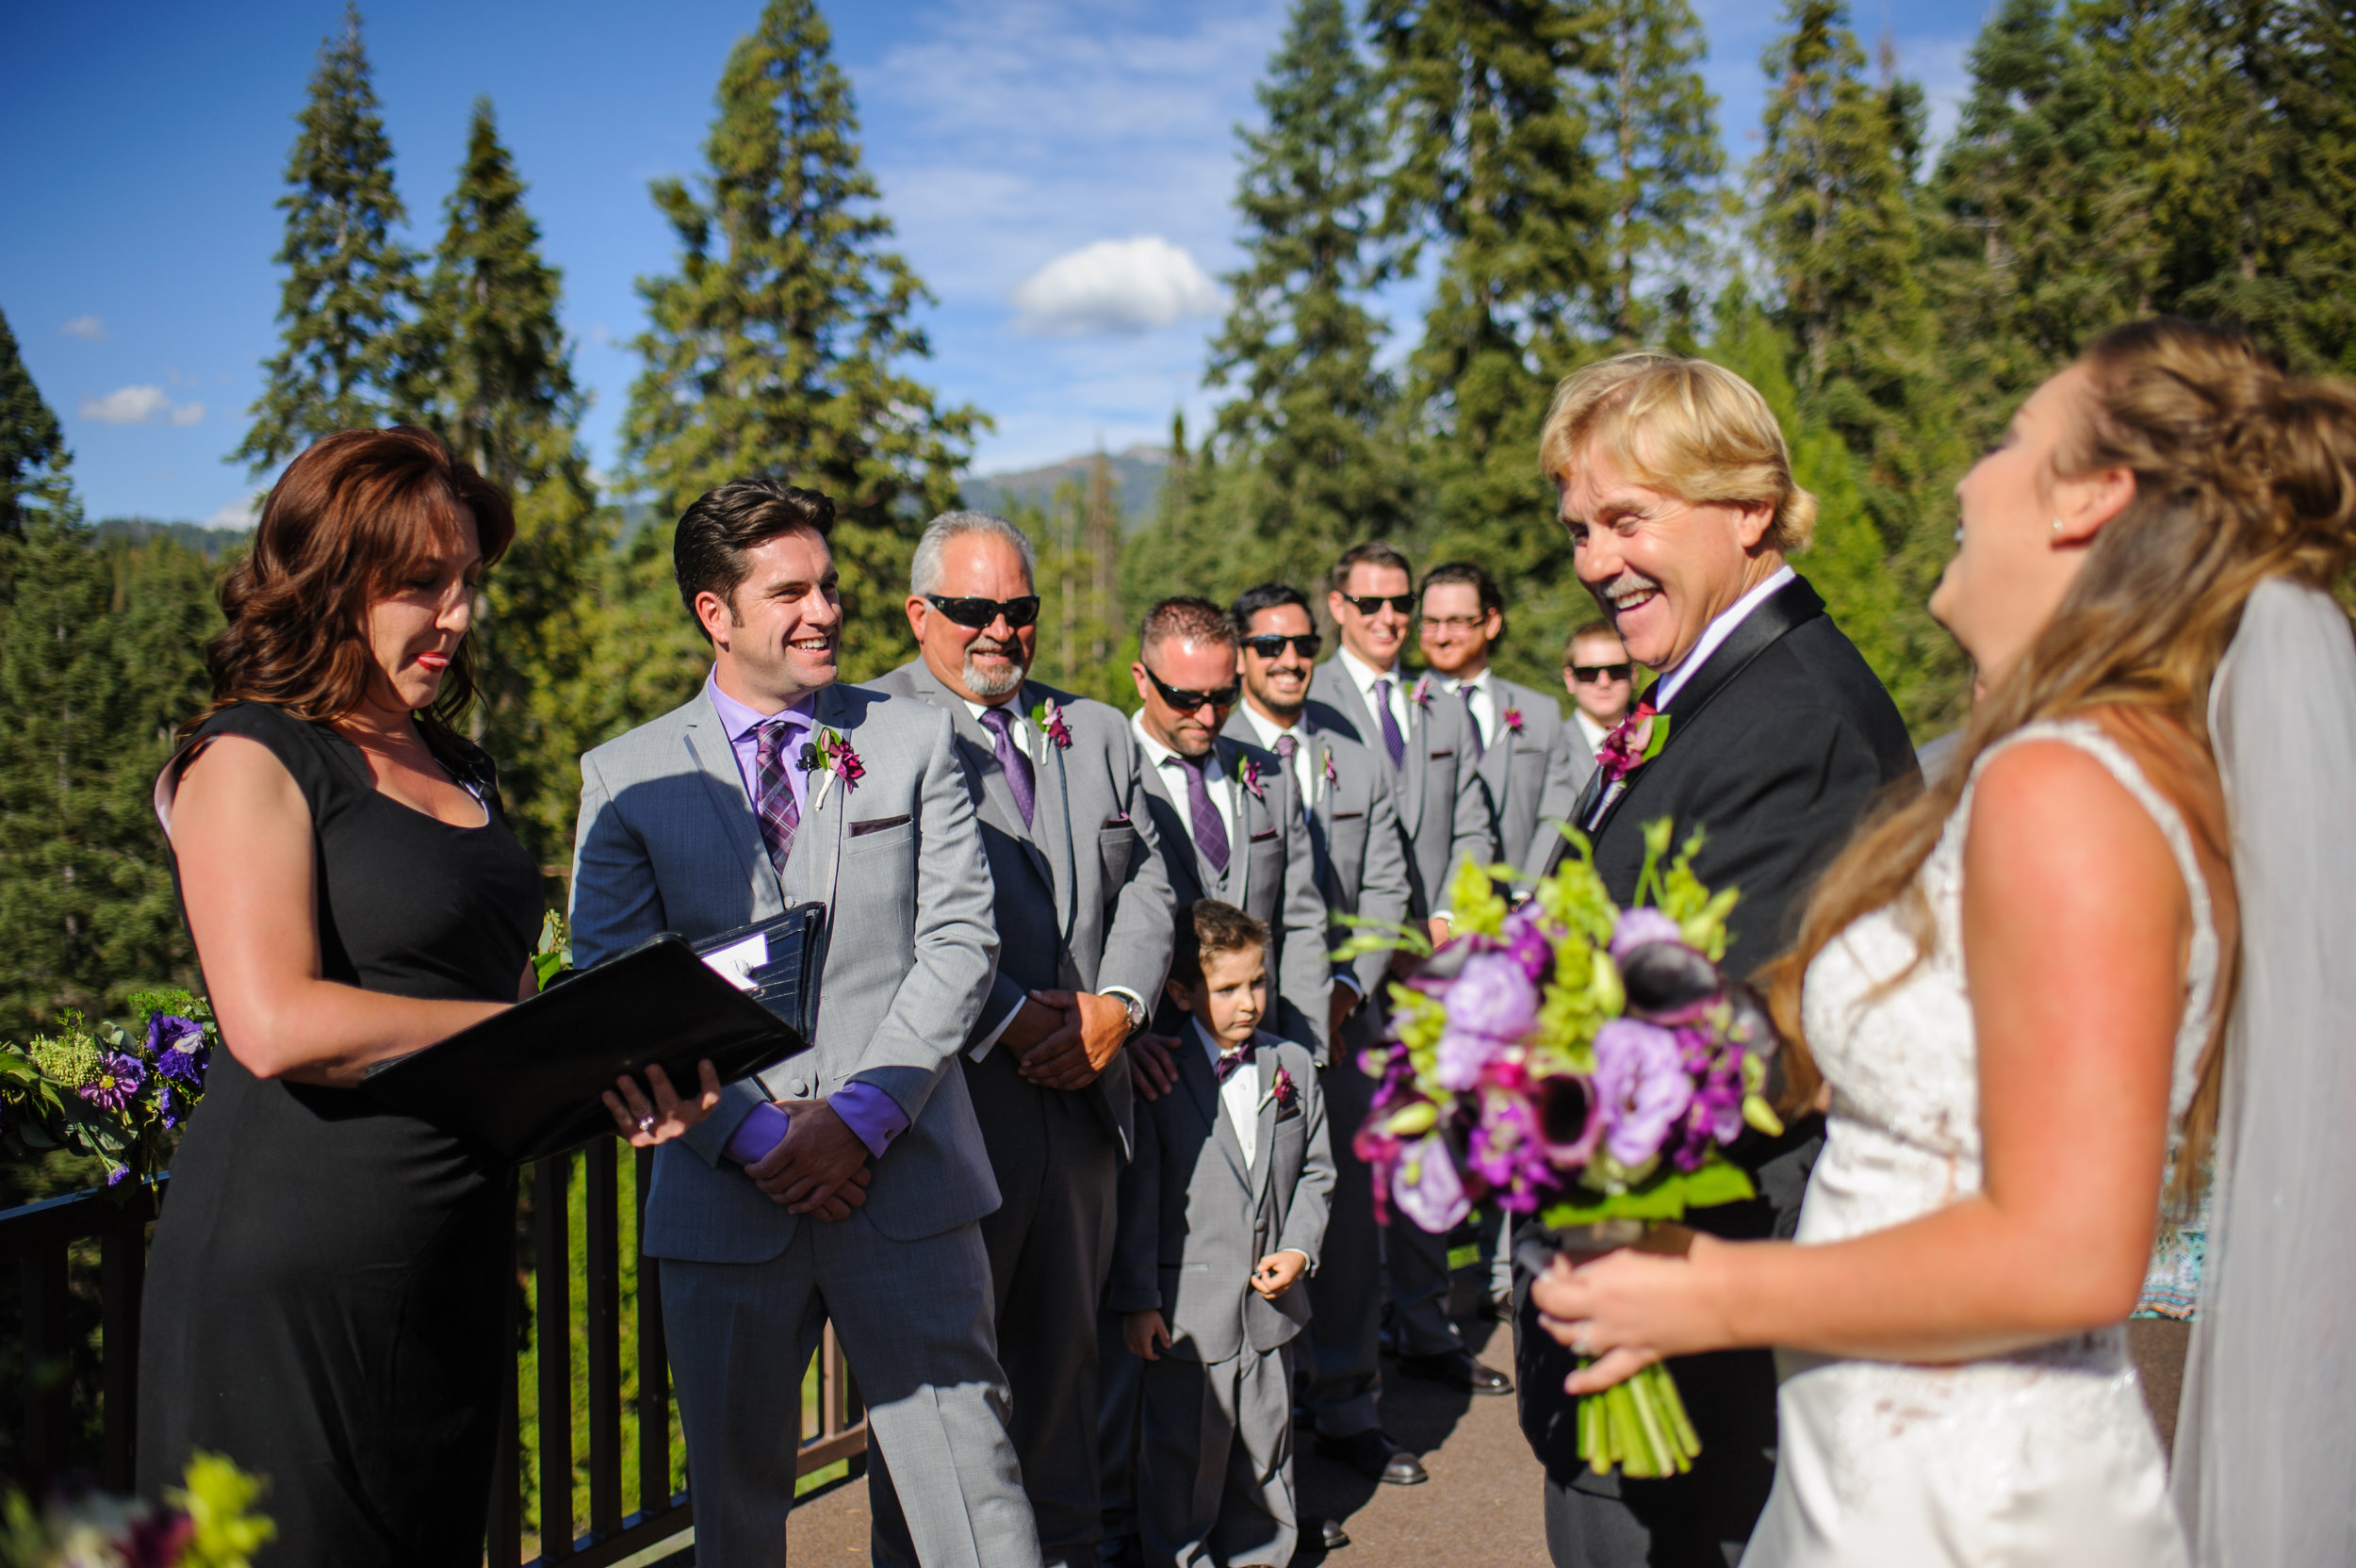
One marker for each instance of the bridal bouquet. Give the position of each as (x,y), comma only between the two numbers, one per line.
(107,1089)
(1581,1062)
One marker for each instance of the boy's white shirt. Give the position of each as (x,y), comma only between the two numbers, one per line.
(1239,1096)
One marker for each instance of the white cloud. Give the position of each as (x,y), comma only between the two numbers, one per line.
(91,329)
(1115,285)
(128,405)
(240,513)
(141,405)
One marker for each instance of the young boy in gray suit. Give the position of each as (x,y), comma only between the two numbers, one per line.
(1221,1213)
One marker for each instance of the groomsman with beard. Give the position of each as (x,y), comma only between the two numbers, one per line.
(1082,908)
(1528,764)
(1677,490)
(1362,866)
(1420,732)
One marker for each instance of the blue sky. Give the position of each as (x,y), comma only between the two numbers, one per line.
(1060,174)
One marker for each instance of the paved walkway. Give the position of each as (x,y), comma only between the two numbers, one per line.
(1479,1509)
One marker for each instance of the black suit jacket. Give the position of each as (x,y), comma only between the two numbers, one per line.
(1776,744)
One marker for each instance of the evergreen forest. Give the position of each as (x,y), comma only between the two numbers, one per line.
(1550,173)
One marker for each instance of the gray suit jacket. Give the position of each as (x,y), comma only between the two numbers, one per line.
(1353,829)
(1531,776)
(1194,1222)
(1271,875)
(1080,897)
(667,841)
(1443,815)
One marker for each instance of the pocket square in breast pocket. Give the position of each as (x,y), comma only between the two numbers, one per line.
(1347,816)
(1263,836)
(1438,756)
(877,825)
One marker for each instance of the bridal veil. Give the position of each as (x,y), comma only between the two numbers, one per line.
(2268,1425)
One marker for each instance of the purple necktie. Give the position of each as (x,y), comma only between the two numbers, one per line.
(1210,828)
(1231,1062)
(1393,741)
(1013,760)
(1288,745)
(780,813)
(1472,720)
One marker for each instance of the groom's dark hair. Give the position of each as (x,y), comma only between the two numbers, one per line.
(708,553)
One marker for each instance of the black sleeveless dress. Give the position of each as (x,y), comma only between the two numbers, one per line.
(324,1292)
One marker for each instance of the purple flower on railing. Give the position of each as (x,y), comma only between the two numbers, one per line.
(177,1044)
(170,1104)
(1641,1085)
(118,1078)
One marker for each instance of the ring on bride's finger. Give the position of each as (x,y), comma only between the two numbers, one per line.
(1578,1342)
(645,1123)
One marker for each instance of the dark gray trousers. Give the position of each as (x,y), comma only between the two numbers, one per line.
(1342,1346)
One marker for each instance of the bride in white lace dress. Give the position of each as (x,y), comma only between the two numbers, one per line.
(2012,985)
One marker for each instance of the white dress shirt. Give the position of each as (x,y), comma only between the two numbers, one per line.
(1175,785)
(1590,730)
(1020,730)
(1364,675)
(1483,706)
(1716,632)
(1239,1097)
(1268,731)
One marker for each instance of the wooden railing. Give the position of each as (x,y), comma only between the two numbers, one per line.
(44,1238)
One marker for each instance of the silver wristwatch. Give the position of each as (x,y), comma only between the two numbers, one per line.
(1138,1014)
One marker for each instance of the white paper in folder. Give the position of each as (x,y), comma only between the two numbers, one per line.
(736,962)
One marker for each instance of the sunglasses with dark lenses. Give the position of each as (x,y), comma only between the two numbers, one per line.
(978,613)
(1369,604)
(1268,644)
(1193,702)
(1587,675)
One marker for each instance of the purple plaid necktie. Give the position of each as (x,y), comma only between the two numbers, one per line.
(1393,741)
(1472,720)
(1012,760)
(1232,1062)
(780,813)
(1210,828)
(1287,746)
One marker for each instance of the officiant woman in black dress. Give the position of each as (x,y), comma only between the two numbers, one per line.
(324,1291)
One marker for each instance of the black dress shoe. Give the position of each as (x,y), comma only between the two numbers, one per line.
(1331,1533)
(1458,1369)
(1373,1455)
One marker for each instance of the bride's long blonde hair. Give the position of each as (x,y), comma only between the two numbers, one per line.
(2242,473)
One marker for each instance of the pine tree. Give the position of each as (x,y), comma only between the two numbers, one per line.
(505,399)
(1303,434)
(348,357)
(1487,102)
(32,455)
(773,347)
(1657,141)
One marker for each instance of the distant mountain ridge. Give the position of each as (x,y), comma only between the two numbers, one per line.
(1139,473)
(210,542)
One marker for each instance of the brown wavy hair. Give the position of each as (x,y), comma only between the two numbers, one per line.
(349,519)
(2242,473)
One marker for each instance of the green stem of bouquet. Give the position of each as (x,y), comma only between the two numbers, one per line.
(1639,1425)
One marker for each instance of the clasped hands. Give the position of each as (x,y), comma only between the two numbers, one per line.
(819,1168)
(1063,1039)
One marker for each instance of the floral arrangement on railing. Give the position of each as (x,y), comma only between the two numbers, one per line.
(1581,1062)
(208,1522)
(106,1090)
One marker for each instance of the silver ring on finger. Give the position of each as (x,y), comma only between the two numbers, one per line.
(1578,1342)
(645,1123)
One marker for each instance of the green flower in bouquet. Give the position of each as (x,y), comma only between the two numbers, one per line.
(106,1090)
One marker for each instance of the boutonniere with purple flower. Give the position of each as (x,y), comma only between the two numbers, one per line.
(1248,775)
(1332,776)
(1514,720)
(1283,1090)
(1421,695)
(1633,742)
(830,753)
(1048,715)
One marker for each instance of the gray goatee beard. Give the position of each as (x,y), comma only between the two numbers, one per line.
(991,686)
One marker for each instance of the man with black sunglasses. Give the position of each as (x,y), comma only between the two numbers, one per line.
(1601,679)
(1083,911)
(1412,725)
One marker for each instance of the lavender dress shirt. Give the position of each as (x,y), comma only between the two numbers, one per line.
(874,1116)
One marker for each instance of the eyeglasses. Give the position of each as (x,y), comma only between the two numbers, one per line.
(978,613)
(1589,675)
(1194,702)
(1369,604)
(1454,623)
(1268,644)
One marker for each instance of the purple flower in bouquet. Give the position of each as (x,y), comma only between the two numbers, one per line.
(117,1079)
(1492,996)
(1507,1151)
(1427,1188)
(1641,925)
(1570,1119)
(171,1103)
(1530,942)
(176,1043)
(1640,1086)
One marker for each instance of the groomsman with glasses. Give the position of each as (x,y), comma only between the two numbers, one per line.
(1528,764)
(1083,914)
(1412,726)
(1362,867)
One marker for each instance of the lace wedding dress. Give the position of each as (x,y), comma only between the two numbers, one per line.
(2043,1457)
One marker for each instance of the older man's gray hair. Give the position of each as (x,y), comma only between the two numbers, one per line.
(924,575)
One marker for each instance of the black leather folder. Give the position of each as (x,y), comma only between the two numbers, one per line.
(527,1082)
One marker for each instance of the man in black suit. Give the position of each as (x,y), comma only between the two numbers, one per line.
(1777,736)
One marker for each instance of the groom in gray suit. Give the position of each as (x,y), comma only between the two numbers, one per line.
(847,1182)
(1083,918)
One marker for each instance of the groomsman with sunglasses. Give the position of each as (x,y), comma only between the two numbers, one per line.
(1082,904)
(1526,759)
(1362,865)
(1597,673)
(1412,726)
